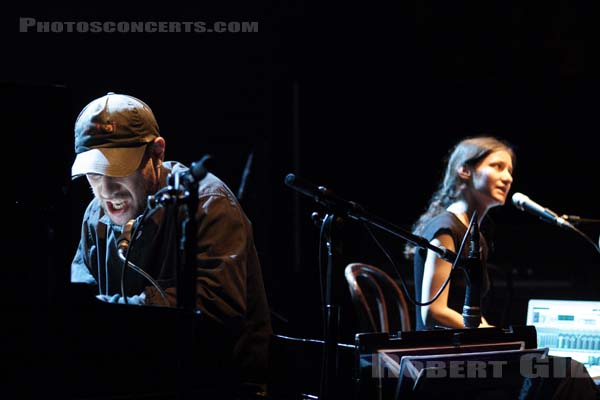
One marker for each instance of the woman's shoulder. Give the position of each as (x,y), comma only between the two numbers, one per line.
(445,222)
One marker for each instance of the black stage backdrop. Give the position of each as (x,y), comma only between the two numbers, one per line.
(364,100)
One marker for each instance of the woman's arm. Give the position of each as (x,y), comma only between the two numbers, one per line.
(435,273)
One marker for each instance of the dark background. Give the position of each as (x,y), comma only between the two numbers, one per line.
(365,100)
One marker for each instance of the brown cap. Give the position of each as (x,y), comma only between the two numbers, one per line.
(111,134)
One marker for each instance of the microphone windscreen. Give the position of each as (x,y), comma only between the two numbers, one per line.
(519,199)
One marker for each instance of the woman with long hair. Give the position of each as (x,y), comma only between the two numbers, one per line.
(478,176)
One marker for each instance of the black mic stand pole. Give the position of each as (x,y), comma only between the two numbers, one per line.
(576,219)
(186,195)
(329,372)
(186,274)
(182,190)
(186,279)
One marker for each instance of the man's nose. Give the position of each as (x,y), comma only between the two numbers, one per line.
(108,187)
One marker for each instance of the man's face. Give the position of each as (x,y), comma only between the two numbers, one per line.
(125,198)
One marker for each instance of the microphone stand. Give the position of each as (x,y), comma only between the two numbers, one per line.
(337,205)
(182,190)
(324,196)
(332,317)
(576,219)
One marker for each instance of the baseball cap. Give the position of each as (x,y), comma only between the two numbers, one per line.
(111,134)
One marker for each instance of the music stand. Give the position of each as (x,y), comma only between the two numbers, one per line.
(489,374)
(379,354)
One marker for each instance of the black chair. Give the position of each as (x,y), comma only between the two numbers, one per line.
(379,301)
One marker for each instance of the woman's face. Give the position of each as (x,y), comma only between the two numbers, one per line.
(492,178)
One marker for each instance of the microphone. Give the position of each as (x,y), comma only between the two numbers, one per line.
(524,203)
(125,237)
(320,194)
(176,180)
(472,306)
(199,169)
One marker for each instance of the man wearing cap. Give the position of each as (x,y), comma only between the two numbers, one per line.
(120,151)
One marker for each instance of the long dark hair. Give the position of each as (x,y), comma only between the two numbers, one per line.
(468,152)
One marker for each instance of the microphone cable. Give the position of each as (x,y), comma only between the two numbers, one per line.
(398,270)
(128,264)
(587,239)
(575,220)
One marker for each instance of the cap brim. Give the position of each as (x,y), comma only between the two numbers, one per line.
(115,162)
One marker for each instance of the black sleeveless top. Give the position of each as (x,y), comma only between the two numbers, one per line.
(447,222)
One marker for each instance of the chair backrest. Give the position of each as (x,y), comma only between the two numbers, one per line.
(372,289)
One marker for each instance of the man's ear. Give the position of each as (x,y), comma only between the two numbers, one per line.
(158,148)
(464,172)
